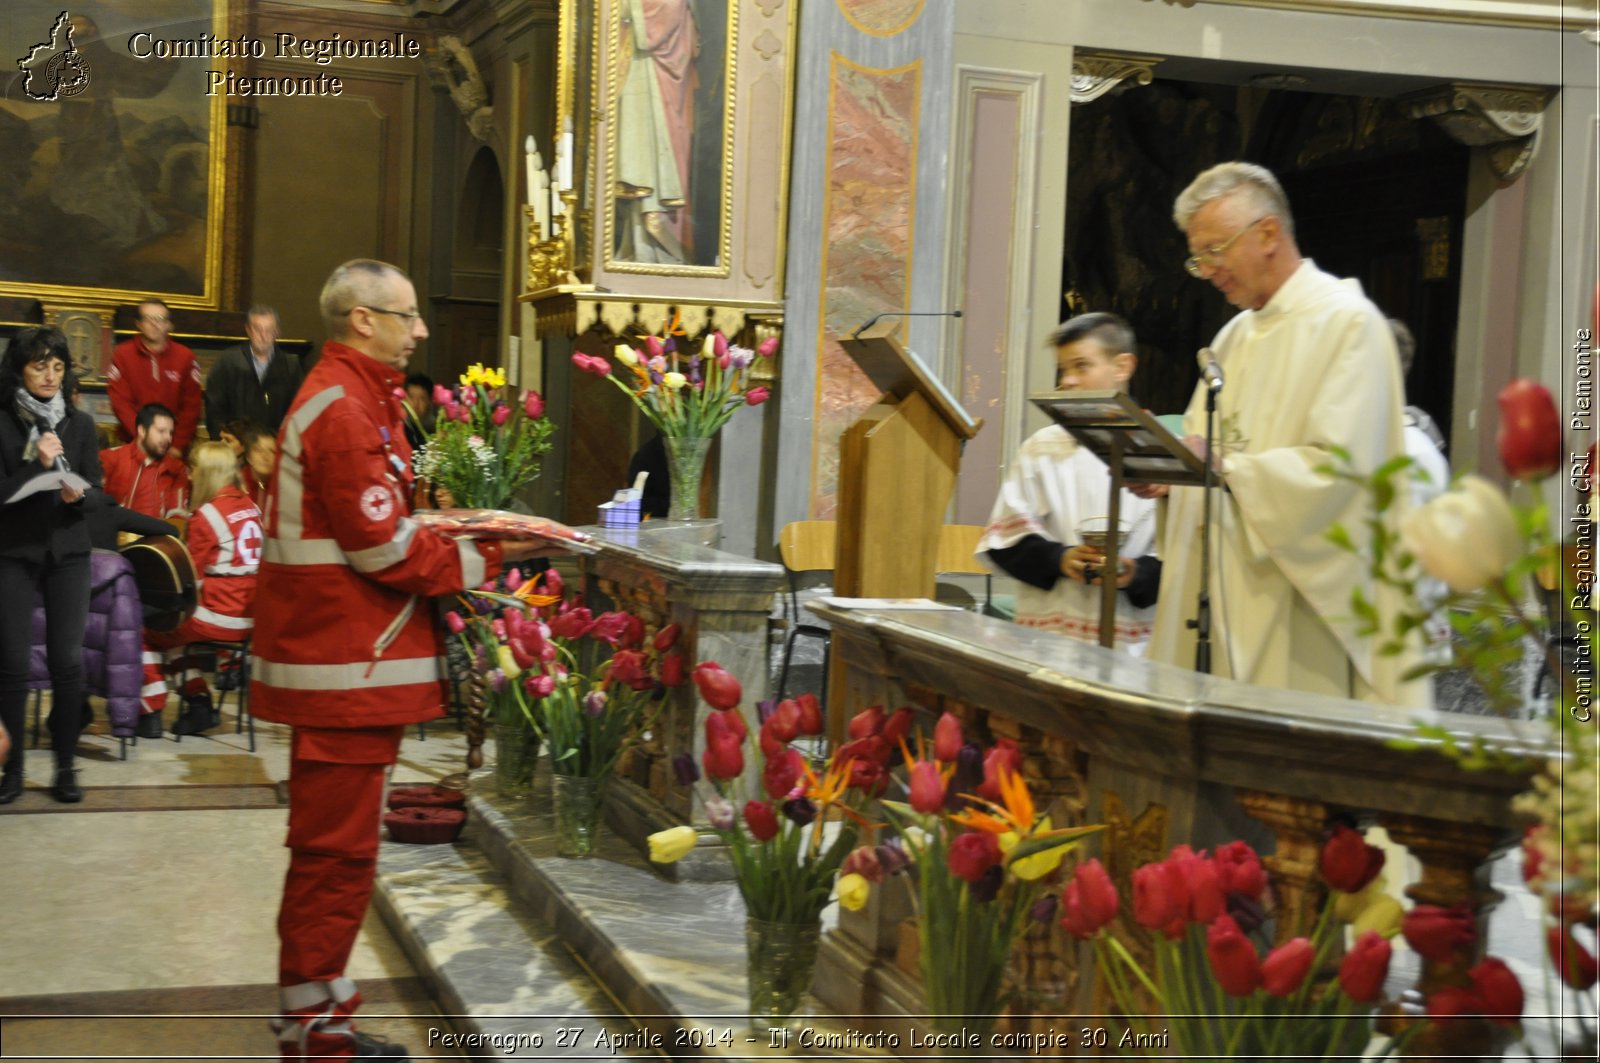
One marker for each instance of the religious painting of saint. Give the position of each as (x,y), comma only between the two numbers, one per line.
(113,155)
(670,150)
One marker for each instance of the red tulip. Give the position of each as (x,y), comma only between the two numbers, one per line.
(674,669)
(573,623)
(1233,958)
(501,414)
(1089,901)
(1285,968)
(723,758)
(539,686)
(761,819)
(1365,967)
(1498,990)
(631,668)
(667,637)
(863,860)
(782,773)
(869,777)
(1439,934)
(771,744)
(1453,1001)
(611,628)
(1530,430)
(756,396)
(784,723)
(866,723)
(717,685)
(1206,900)
(1575,964)
(1239,870)
(927,786)
(1154,906)
(1004,754)
(726,722)
(947,737)
(1348,863)
(972,854)
(533,404)
(810,714)
(897,726)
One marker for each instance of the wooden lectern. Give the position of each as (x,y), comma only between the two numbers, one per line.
(897,469)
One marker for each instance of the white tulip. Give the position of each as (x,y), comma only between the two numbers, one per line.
(1466,537)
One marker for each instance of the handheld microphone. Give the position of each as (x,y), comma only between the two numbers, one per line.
(875,318)
(1210,371)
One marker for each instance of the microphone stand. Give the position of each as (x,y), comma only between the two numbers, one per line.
(1201,624)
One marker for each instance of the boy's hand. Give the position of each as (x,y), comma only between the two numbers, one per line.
(1083,564)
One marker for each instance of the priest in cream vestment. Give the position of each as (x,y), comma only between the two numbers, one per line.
(1310,365)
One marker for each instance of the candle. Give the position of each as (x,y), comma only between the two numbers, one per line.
(530,155)
(564,154)
(555,196)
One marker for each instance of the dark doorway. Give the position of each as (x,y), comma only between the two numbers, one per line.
(1377,195)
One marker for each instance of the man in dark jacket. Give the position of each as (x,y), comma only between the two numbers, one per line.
(254,381)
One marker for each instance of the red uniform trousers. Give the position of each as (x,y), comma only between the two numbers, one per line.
(336,784)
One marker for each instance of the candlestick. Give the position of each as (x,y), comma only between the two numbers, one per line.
(564,155)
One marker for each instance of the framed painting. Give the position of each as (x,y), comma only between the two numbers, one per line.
(114,151)
(668,163)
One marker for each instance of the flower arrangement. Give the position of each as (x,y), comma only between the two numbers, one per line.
(589,686)
(686,395)
(980,853)
(1222,994)
(486,446)
(1511,583)
(787,844)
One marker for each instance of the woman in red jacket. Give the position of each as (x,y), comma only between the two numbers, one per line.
(224,539)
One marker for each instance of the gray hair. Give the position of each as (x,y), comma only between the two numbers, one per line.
(1405,344)
(261,310)
(358,282)
(1254,184)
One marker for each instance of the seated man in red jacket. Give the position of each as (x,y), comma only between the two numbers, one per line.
(151,367)
(145,476)
(345,648)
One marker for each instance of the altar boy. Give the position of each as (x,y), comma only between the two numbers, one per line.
(1054,488)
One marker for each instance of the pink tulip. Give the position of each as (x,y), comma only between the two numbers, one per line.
(533,405)
(399,393)
(927,787)
(442,396)
(502,414)
(469,396)
(463,415)
(454,622)
(652,344)
(768,347)
(756,396)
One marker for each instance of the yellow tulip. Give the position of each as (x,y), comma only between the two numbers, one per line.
(854,890)
(495,378)
(1347,907)
(507,663)
(674,380)
(1383,915)
(671,845)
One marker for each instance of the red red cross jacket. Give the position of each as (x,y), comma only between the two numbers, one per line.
(225,543)
(172,378)
(344,634)
(160,490)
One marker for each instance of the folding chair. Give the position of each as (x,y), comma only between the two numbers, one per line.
(805,546)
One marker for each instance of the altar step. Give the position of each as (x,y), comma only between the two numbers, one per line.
(548,954)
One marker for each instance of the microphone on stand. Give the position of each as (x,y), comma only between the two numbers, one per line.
(875,318)
(1210,371)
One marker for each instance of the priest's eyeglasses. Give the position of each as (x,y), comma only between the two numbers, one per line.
(1198,264)
(408,316)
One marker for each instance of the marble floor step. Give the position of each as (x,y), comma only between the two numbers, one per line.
(670,956)
(509,986)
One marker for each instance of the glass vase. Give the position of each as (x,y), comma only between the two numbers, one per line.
(577,801)
(516,751)
(686,466)
(779,961)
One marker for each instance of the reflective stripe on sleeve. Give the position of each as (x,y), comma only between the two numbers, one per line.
(223,620)
(358,675)
(304,552)
(291,472)
(376,558)
(473,564)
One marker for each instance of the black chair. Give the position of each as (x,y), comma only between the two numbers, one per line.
(244,722)
(805,546)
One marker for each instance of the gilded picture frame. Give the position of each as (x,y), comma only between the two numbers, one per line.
(669,104)
(118,168)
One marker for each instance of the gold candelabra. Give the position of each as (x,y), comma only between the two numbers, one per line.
(551,259)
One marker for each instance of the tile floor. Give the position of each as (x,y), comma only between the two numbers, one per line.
(142,920)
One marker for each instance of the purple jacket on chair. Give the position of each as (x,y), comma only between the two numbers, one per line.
(113,641)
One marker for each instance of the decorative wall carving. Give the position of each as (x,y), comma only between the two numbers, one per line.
(454,67)
(1094,74)
(1504,119)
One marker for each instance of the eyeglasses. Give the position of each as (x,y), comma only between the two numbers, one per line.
(1212,255)
(408,316)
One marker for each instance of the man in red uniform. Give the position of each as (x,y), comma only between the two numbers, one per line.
(150,367)
(145,476)
(345,648)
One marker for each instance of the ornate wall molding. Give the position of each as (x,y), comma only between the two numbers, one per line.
(1540,14)
(1094,74)
(1505,120)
